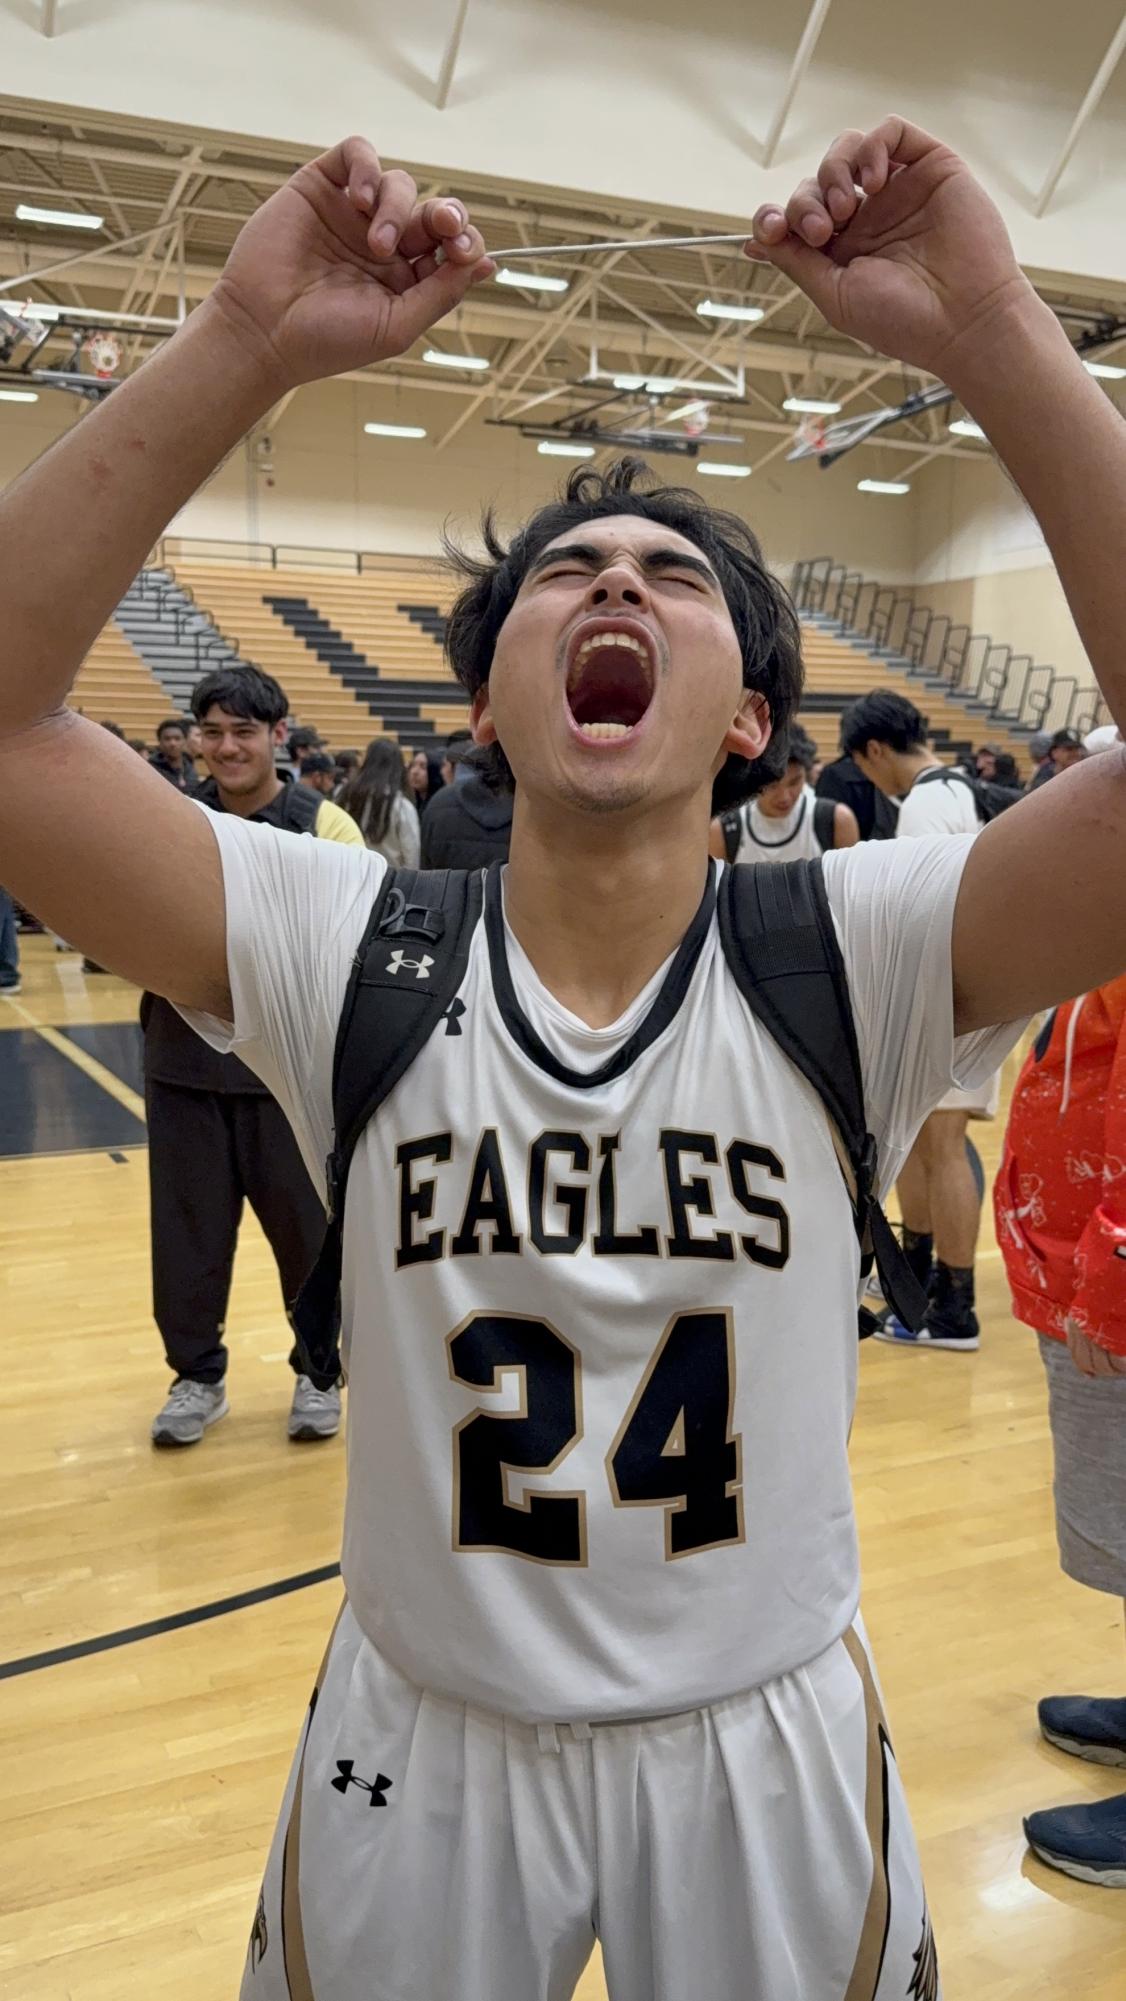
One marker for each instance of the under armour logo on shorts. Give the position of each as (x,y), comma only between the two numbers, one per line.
(399,962)
(376,1787)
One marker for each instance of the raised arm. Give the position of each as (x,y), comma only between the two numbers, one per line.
(337,270)
(917,263)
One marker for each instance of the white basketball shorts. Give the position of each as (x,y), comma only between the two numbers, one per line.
(758,1850)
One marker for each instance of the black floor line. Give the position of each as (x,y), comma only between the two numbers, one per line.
(195,1615)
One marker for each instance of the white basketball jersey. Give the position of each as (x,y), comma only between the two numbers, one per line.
(599,1291)
(790,839)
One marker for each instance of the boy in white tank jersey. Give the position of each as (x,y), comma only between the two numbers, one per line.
(783,820)
(599,1671)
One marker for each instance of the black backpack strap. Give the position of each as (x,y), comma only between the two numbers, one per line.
(779,939)
(731,823)
(954,772)
(825,823)
(407,969)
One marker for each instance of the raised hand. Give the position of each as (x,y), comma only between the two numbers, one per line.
(341,267)
(897,244)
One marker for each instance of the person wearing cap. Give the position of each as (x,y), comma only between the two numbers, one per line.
(1039,750)
(1065,747)
(318,772)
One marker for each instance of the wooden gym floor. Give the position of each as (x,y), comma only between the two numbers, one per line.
(139,1785)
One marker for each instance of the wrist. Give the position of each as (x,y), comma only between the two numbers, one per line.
(236,353)
(989,359)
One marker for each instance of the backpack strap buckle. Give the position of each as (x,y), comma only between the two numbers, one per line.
(414,920)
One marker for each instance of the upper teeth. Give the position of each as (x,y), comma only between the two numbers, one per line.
(598,639)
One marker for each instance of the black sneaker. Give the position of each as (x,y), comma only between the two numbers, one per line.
(957,1332)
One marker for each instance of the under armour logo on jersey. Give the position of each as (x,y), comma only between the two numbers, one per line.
(452,1017)
(399,962)
(377,1787)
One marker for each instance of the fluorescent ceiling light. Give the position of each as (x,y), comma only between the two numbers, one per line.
(719,469)
(665,385)
(882,486)
(66,218)
(812,405)
(439,359)
(964,427)
(18,396)
(1104,371)
(532,281)
(714,309)
(152,322)
(394,430)
(551,450)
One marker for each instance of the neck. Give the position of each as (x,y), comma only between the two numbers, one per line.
(599,908)
(909,763)
(246,803)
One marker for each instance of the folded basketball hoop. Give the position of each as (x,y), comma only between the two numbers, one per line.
(104,353)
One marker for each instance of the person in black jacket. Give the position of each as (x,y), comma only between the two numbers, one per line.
(172,760)
(467,824)
(844,782)
(217,1139)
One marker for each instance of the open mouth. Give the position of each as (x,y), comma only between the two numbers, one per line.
(609,683)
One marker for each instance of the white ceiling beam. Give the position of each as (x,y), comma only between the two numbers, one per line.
(1085,112)
(453,50)
(105,250)
(811,34)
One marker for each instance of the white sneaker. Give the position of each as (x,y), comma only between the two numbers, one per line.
(313,1413)
(191,1407)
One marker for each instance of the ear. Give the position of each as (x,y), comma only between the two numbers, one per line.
(481,717)
(279,732)
(750,732)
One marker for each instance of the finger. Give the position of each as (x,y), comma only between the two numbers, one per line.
(836,176)
(1101,1362)
(904,143)
(1118,1364)
(434,296)
(811,270)
(443,223)
(807,215)
(396,200)
(353,164)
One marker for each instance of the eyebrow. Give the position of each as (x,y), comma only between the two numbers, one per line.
(588,554)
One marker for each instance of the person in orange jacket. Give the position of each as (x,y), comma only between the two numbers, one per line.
(1060,1205)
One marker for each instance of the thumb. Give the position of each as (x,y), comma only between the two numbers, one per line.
(422,305)
(811,270)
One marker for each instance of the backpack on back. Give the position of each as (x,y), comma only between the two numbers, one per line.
(990,799)
(778,937)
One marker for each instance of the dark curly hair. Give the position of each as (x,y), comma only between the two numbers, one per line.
(762,614)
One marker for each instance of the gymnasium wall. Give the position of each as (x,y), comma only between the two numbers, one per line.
(336,487)
(963,537)
(980,557)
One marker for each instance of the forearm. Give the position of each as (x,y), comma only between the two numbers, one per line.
(77,526)
(1064,444)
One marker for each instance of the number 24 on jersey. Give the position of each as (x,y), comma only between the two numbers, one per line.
(675,1447)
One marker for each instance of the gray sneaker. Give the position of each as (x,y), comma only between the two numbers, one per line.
(313,1413)
(191,1407)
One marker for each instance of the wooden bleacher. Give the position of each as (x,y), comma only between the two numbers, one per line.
(114,685)
(836,673)
(364,610)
